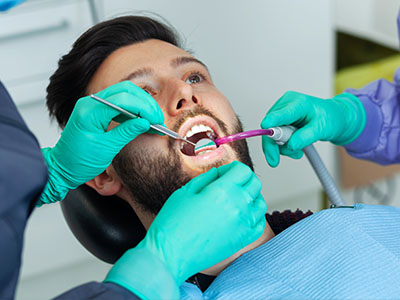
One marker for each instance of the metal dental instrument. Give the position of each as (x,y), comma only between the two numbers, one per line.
(157,127)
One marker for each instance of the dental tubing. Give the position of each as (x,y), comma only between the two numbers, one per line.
(282,134)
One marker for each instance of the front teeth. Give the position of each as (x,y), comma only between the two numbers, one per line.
(199,128)
(203,152)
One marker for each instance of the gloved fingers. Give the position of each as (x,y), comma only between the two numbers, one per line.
(283,113)
(271,151)
(234,173)
(129,97)
(132,89)
(123,86)
(142,105)
(303,137)
(225,168)
(253,187)
(94,116)
(258,229)
(153,131)
(258,210)
(291,153)
(260,205)
(122,118)
(125,132)
(288,115)
(287,98)
(291,109)
(197,184)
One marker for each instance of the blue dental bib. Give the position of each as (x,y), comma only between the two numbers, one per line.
(339,253)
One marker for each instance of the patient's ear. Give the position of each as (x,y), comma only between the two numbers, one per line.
(107,183)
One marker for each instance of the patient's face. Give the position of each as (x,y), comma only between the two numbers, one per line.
(151,166)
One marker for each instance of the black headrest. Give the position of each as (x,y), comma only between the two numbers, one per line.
(105,226)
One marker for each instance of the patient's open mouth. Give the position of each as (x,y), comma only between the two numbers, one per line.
(194,134)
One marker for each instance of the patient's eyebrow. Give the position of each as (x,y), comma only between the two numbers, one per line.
(176,62)
(182,60)
(139,73)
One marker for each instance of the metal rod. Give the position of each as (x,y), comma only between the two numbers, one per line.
(156,127)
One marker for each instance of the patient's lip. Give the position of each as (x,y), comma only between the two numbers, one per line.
(219,155)
(199,162)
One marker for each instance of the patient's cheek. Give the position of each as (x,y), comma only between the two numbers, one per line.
(153,144)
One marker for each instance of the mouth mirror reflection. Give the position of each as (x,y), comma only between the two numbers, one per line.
(203,146)
(204,142)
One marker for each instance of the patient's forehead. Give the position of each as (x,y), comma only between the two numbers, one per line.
(118,65)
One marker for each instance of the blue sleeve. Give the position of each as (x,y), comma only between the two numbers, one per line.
(98,291)
(23,176)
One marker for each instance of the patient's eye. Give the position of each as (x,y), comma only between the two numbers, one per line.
(149,90)
(195,77)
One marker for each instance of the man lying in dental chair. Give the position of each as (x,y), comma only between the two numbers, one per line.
(340,253)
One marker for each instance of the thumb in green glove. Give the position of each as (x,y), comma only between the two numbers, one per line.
(209,219)
(339,120)
(86,148)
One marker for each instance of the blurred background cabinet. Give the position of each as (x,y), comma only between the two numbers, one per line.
(366,50)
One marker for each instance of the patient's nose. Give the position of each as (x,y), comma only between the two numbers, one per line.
(180,96)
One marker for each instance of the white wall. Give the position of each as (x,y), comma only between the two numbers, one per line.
(370,19)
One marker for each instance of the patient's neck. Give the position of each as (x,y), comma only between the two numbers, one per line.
(218,268)
(268,234)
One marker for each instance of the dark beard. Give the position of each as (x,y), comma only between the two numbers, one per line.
(151,177)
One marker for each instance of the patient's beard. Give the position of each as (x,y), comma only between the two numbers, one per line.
(151,177)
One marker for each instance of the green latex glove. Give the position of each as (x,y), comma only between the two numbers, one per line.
(209,219)
(86,148)
(339,120)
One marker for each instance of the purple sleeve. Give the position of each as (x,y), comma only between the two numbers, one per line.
(380,140)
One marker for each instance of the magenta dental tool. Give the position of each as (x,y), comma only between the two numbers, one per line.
(243,135)
(281,135)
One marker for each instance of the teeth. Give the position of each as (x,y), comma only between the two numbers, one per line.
(198,128)
(203,152)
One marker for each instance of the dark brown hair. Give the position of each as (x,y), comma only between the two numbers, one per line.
(75,69)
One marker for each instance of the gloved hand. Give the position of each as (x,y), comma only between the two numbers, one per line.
(339,120)
(209,219)
(7,4)
(85,148)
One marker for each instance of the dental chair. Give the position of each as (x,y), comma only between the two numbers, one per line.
(105,226)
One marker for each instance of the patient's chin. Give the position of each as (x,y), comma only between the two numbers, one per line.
(194,166)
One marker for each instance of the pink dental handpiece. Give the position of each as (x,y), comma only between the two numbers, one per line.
(208,144)
(243,135)
(281,135)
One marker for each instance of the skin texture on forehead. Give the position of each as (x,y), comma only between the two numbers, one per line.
(123,61)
